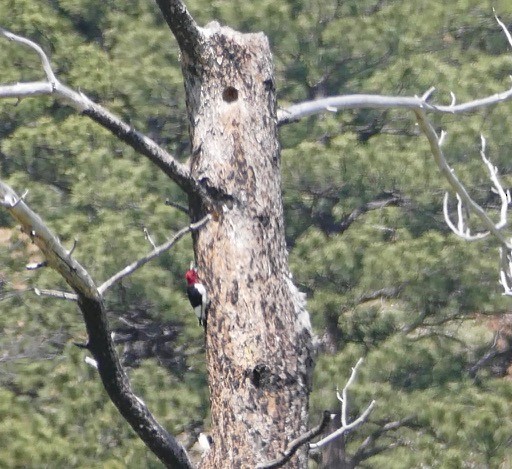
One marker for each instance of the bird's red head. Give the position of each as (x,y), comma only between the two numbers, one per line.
(191,277)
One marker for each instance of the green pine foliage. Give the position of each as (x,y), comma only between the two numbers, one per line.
(393,285)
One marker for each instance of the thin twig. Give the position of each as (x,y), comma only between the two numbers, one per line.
(129,269)
(504,195)
(177,206)
(503,27)
(149,238)
(506,271)
(72,250)
(448,173)
(457,229)
(62,295)
(44,58)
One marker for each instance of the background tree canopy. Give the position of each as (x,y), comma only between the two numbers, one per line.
(385,278)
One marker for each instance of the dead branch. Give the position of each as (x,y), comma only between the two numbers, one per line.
(177,206)
(308,436)
(345,426)
(129,269)
(465,202)
(462,230)
(62,295)
(148,237)
(100,343)
(373,101)
(503,27)
(184,28)
(369,448)
(176,171)
(435,146)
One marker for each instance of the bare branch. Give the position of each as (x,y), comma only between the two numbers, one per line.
(100,343)
(506,270)
(62,295)
(346,427)
(420,106)
(370,101)
(459,230)
(292,448)
(177,206)
(176,171)
(448,173)
(149,238)
(504,195)
(50,76)
(428,93)
(129,269)
(368,448)
(454,99)
(26,90)
(72,250)
(466,202)
(503,27)
(343,398)
(186,31)
(56,255)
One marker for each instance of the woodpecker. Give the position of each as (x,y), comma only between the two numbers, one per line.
(197,296)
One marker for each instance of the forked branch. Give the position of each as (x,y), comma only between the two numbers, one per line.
(345,425)
(176,171)
(296,112)
(466,203)
(462,230)
(327,417)
(100,344)
(183,26)
(157,251)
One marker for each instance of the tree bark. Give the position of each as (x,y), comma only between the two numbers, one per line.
(333,454)
(258,333)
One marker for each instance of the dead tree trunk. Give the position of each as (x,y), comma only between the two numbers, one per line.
(334,455)
(258,335)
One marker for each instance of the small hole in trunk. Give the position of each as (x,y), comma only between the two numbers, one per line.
(230,94)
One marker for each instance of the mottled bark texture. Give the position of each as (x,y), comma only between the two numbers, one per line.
(333,454)
(258,335)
